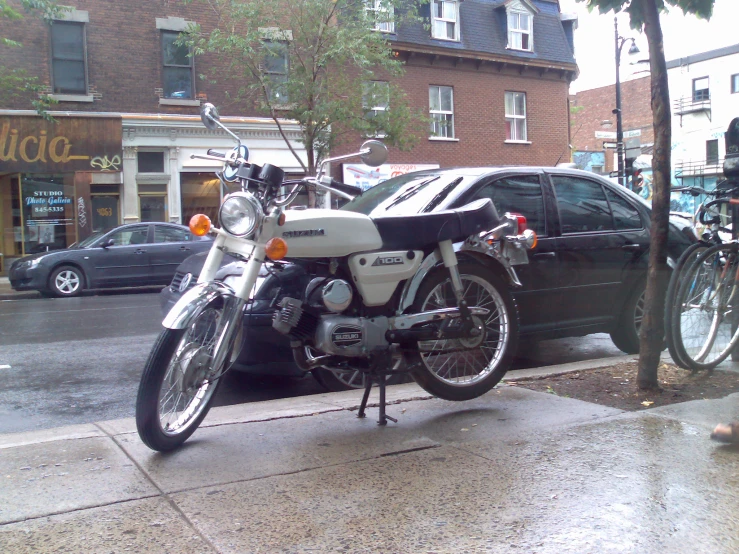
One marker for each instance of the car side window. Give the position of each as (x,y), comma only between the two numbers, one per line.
(582,204)
(625,216)
(517,193)
(128,237)
(163,233)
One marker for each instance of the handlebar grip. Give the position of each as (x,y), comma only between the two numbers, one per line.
(216,153)
(348,189)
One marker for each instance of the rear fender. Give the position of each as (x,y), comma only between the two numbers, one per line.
(433,261)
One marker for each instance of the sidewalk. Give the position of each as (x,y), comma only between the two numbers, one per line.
(512,471)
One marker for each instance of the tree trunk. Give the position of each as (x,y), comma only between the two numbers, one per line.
(653,325)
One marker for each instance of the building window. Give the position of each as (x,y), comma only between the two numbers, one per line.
(382,14)
(68,64)
(519,31)
(735,83)
(376,100)
(515,116)
(712,152)
(441,110)
(150,162)
(275,70)
(178,70)
(700,89)
(445,19)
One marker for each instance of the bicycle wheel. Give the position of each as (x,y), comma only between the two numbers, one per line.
(704,319)
(683,266)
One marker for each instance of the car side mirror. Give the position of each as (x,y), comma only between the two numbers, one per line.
(108,243)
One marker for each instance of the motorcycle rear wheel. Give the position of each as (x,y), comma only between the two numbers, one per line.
(175,393)
(467,373)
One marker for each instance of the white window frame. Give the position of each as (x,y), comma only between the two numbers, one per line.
(272,86)
(517,32)
(444,20)
(378,108)
(440,112)
(512,117)
(382,14)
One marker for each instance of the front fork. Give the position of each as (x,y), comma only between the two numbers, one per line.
(232,316)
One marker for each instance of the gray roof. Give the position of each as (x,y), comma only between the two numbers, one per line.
(483,30)
(711,54)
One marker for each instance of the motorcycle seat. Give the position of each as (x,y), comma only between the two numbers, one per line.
(418,231)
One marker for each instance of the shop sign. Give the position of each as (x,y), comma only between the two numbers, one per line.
(30,144)
(366,177)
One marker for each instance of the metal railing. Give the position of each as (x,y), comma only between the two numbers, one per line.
(691,104)
(699,167)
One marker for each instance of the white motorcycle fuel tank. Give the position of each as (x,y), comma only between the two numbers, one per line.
(328,233)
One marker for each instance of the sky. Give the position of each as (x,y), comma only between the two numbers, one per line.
(683,36)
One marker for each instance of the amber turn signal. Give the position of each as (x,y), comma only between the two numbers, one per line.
(276,248)
(199,225)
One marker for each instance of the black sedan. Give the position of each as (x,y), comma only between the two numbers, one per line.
(137,254)
(586,275)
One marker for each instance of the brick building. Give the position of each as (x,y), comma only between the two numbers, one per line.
(593,125)
(493,75)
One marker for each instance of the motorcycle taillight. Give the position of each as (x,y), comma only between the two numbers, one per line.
(521,222)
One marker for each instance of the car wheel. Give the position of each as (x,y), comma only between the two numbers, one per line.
(67,280)
(626,335)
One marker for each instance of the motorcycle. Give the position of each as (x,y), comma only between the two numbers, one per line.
(426,294)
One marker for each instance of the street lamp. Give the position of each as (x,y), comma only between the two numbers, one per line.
(620,41)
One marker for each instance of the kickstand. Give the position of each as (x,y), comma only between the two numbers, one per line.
(367,388)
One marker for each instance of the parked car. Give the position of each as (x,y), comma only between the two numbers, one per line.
(586,275)
(135,254)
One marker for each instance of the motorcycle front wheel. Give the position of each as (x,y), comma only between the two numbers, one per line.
(176,390)
(462,369)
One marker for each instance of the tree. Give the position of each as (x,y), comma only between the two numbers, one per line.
(644,15)
(323,63)
(16,82)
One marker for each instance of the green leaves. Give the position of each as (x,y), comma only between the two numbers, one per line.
(635,8)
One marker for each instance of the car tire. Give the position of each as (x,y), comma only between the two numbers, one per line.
(66,281)
(626,334)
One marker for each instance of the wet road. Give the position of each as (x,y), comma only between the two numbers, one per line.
(78,360)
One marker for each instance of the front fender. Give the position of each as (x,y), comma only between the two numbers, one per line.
(194,301)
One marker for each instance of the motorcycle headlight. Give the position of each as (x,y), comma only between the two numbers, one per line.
(240,214)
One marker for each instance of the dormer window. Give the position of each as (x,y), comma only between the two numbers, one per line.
(445,19)
(382,14)
(519,31)
(520,20)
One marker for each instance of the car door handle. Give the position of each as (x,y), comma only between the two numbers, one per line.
(140,252)
(545,255)
(184,248)
(632,247)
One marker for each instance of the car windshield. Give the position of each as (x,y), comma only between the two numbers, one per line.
(409,193)
(92,239)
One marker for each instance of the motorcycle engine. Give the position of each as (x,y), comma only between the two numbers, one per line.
(331,333)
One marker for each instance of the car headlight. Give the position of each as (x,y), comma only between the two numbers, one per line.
(240,214)
(30,264)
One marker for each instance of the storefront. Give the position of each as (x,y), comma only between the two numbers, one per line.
(59,181)
(165,177)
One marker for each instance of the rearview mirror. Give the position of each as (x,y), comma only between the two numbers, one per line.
(209,116)
(107,243)
(376,154)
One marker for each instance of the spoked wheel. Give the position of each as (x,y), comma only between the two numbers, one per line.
(176,387)
(462,369)
(683,268)
(704,315)
(335,380)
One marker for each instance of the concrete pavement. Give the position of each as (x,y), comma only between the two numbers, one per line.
(512,471)
(7,292)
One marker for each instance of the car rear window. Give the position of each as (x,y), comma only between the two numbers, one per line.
(517,194)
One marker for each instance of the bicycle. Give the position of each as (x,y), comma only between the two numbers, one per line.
(702,325)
